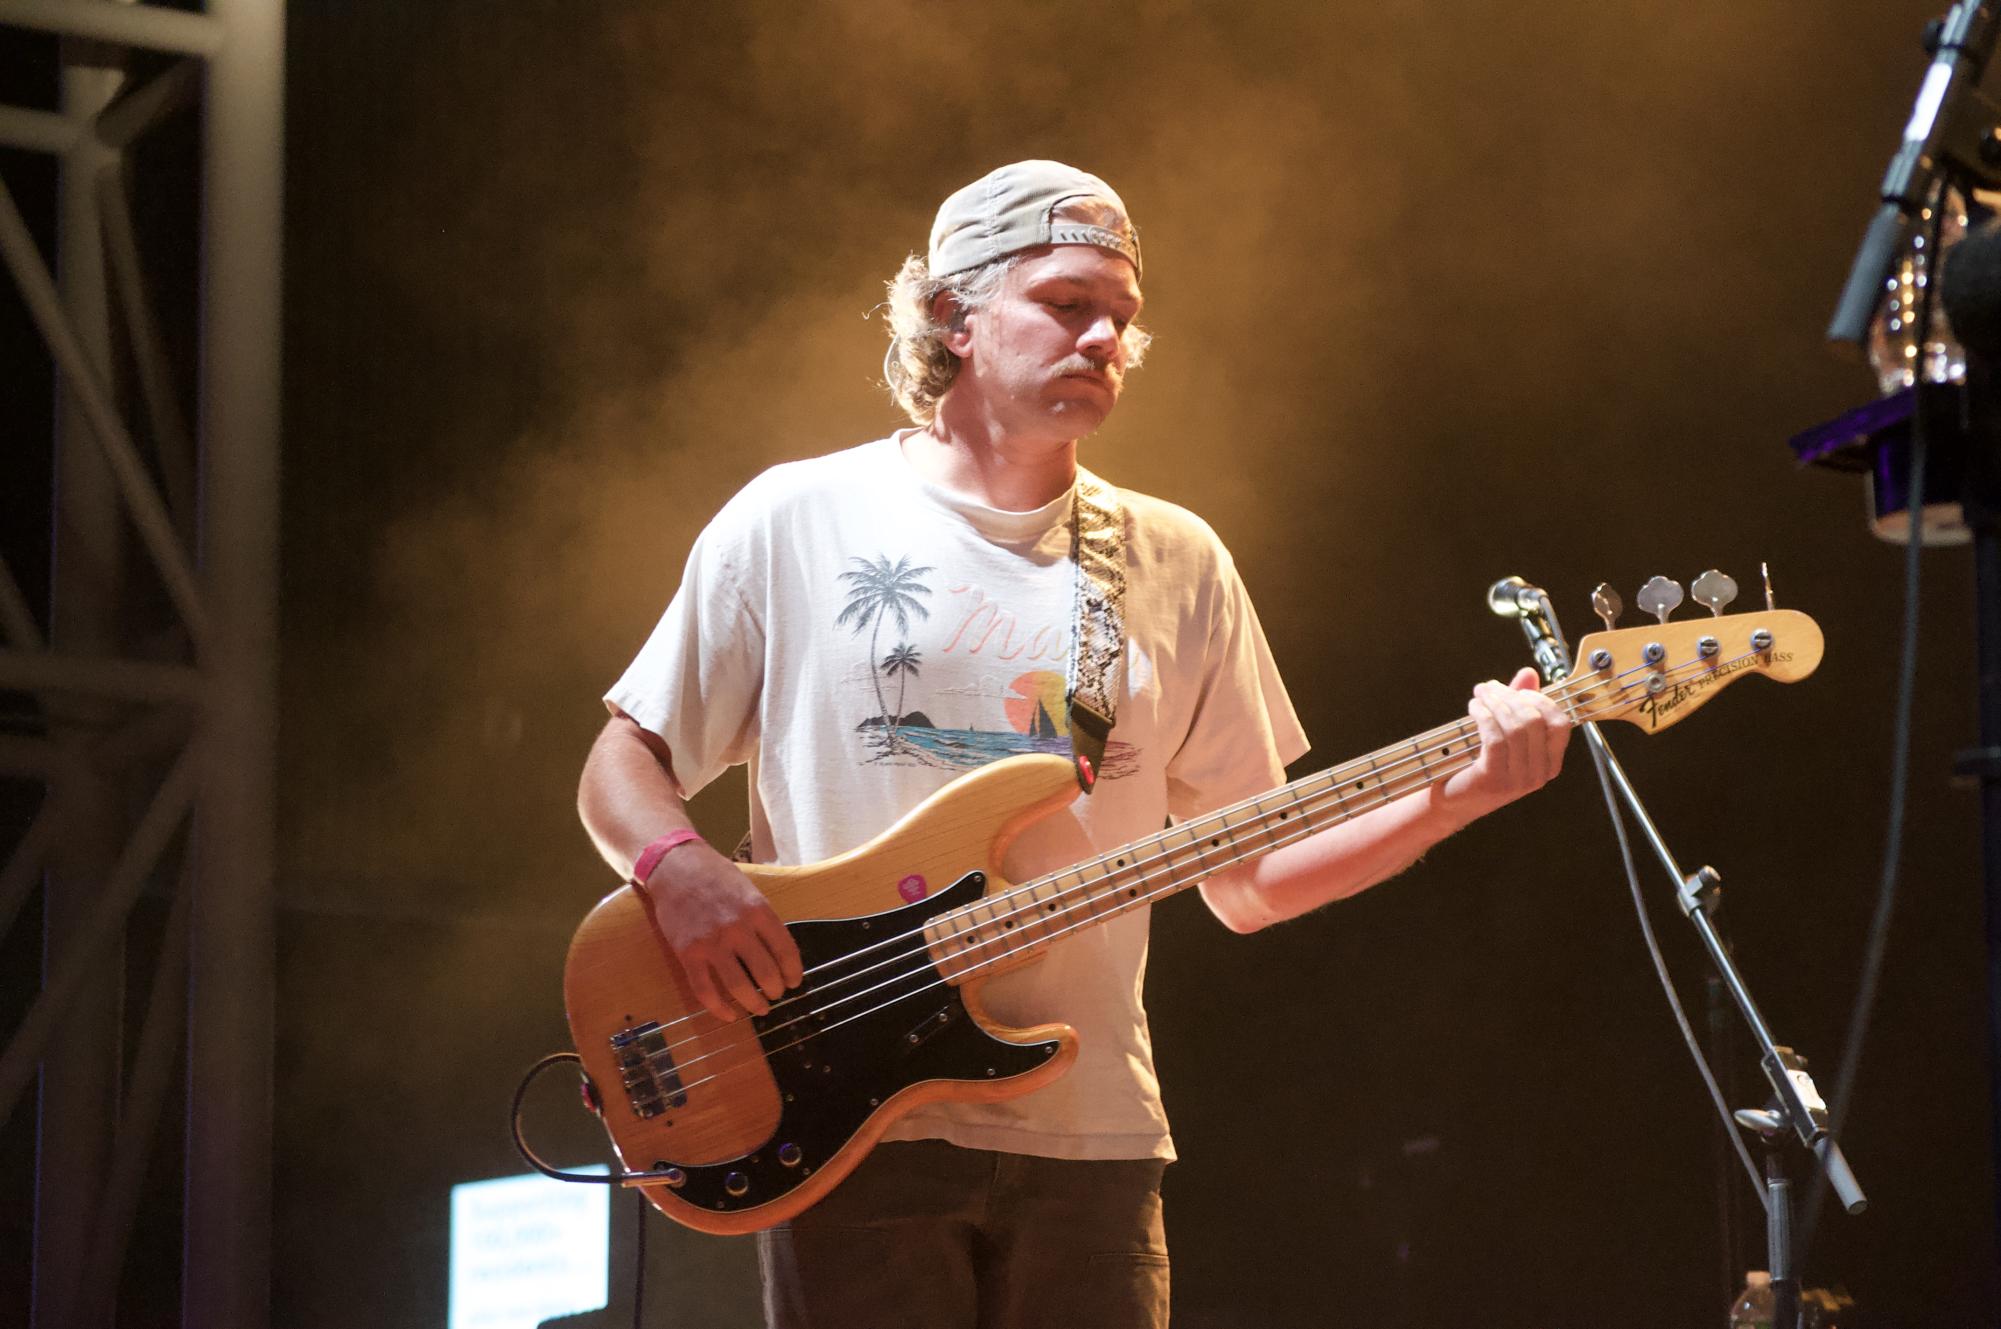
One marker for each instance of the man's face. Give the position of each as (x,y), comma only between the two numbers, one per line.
(1047,357)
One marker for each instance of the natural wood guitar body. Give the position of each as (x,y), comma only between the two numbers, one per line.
(620,977)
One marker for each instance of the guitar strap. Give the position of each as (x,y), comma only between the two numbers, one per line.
(1097,655)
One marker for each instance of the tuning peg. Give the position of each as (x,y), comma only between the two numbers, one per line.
(1765,571)
(1660,597)
(1605,602)
(1714,589)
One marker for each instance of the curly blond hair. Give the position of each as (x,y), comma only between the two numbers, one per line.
(919,368)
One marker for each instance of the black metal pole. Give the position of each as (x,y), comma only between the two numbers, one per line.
(1983,513)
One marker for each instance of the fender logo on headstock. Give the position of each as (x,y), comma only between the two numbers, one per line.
(1659,708)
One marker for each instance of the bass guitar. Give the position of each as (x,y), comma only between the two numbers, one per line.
(730,1127)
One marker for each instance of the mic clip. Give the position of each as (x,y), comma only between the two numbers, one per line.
(1514,598)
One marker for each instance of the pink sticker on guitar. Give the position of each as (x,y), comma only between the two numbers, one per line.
(912,888)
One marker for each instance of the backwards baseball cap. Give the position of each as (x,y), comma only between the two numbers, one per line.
(1022,205)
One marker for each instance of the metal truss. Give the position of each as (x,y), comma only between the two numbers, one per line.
(155,677)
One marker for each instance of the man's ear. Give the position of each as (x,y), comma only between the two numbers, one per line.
(948,313)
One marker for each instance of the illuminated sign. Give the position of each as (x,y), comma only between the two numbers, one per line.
(526,1249)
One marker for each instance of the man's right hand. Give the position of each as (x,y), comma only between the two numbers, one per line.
(738,957)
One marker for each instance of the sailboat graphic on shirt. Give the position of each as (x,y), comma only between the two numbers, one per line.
(1032,714)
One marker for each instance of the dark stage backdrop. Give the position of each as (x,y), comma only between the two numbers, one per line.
(1441,293)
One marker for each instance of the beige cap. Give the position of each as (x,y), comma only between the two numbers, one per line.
(1013,208)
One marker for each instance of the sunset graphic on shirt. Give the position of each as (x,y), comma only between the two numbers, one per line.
(1035,704)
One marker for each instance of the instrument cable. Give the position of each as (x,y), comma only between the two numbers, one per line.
(534,1160)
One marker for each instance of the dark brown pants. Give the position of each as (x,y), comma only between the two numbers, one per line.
(926,1235)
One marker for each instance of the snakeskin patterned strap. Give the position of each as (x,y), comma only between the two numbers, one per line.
(1097,656)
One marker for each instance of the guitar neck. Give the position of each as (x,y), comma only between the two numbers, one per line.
(1015,924)
(1653,676)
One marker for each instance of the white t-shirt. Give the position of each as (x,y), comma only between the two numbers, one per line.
(833,594)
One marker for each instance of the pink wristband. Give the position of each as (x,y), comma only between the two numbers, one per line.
(649,857)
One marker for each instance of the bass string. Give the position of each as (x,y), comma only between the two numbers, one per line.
(1425,775)
(1080,897)
(1171,884)
(1026,897)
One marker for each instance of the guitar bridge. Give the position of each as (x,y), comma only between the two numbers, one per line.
(652,1082)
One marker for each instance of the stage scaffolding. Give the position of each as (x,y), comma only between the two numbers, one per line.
(154,677)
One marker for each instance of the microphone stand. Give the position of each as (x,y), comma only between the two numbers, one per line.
(1795,1103)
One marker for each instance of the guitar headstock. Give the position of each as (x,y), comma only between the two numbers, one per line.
(1656,675)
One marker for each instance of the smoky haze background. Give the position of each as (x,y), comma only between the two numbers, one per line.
(1439,295)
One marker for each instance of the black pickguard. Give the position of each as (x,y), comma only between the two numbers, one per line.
(873,1017)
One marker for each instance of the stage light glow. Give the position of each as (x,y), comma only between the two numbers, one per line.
(526,1249)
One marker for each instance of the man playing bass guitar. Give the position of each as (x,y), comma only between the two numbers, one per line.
(863,627)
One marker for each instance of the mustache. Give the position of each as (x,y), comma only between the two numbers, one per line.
(1083,364)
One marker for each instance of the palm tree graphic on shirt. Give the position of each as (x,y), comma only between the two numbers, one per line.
(879,590)
(902,665)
